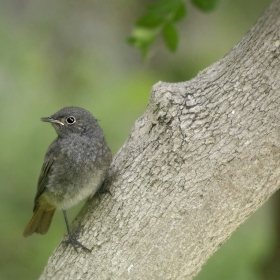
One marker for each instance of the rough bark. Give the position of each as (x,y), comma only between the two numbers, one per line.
(204,156)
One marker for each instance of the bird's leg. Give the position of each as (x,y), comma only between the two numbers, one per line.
(73,239)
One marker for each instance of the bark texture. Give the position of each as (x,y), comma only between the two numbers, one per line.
(203,157)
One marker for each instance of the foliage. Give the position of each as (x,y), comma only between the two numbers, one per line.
(160,18)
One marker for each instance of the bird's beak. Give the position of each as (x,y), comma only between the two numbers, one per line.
(51,120)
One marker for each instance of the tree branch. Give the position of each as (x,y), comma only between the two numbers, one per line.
(203,157)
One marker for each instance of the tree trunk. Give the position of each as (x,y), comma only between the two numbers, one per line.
(204,156)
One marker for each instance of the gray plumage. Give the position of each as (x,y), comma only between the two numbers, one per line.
(75,166)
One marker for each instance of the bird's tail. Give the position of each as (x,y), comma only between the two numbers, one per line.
(40,222)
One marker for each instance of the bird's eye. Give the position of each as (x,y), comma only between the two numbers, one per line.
(71,120)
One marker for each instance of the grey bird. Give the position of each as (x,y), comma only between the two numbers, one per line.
(74,168)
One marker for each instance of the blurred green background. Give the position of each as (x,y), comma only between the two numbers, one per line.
(59,53)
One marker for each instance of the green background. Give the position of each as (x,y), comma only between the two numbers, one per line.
(59,53)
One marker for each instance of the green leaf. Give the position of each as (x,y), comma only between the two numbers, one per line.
(163,7)
(170,36)
(165,10)
(180,12)
(142,38)
(149,20)
(158,18)
(205,5)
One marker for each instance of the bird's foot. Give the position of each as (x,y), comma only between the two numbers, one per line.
(75,243)
(72,239)
(102,191)
(105,187)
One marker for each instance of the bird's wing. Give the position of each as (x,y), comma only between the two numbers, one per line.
(46,171)
(44,176)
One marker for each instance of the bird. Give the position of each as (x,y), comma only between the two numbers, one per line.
(75,165)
